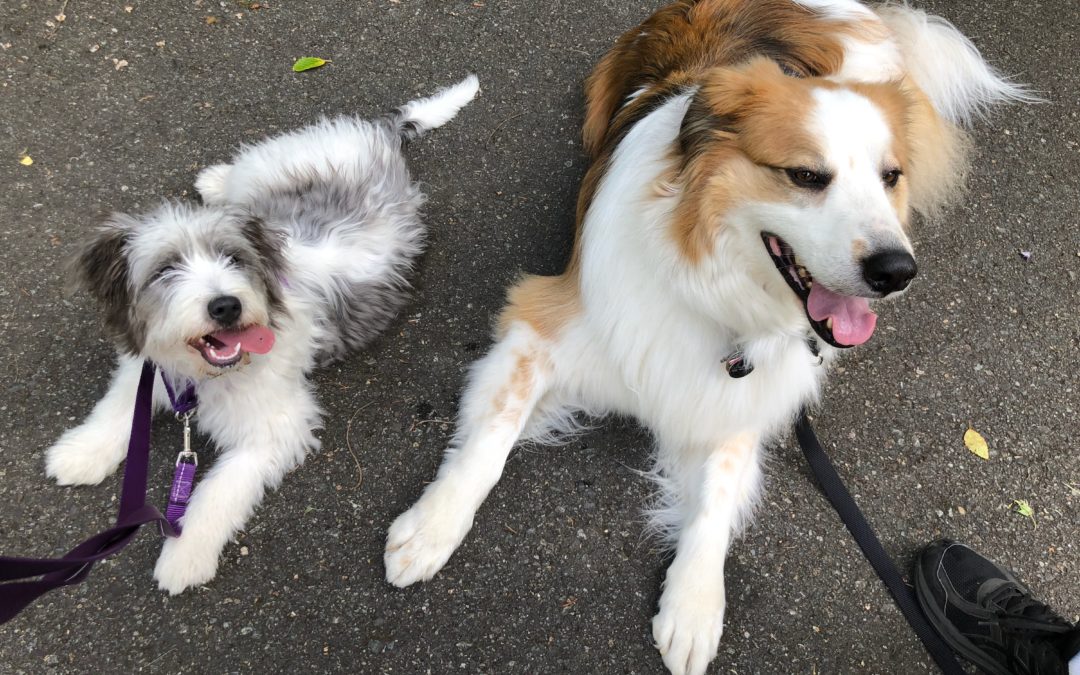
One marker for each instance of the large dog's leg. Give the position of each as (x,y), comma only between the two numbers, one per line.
(688,626)
(264,429)
(91,451)
(503,389)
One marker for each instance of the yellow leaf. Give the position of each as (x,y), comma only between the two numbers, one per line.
(26,160)
(976,443)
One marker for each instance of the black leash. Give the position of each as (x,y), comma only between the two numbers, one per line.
(845,505)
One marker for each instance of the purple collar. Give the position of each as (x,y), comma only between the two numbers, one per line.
(186,401)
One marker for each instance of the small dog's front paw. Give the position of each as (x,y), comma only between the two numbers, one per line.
(210,184)
(183,564)
(423,538)
(81,457)
(688,627)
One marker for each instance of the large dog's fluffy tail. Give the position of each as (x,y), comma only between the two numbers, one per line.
(947,66)
(416,117)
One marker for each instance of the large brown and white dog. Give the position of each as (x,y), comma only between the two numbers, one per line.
(754,168)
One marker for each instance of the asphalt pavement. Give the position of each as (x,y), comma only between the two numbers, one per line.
(119,104)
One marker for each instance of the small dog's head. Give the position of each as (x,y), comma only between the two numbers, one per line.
(819,179)
(194,289)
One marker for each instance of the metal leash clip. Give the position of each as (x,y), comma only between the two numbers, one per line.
(187,455)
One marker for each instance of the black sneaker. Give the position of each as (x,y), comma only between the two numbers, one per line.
(987,616)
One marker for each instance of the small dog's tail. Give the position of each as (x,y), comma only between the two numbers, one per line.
(415,117)
(947,66)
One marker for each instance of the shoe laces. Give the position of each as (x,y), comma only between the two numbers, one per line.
(1028,629)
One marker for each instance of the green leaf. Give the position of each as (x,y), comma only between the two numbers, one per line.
(307,63)
(1022,507)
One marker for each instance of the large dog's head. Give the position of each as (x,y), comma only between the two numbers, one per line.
(815,181)
(195,289)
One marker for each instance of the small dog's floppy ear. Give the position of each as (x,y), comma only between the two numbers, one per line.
(270,266)
(101,269)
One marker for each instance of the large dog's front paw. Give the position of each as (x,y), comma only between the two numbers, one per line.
(422,539)
(688,627)
(83,456)
(184,563)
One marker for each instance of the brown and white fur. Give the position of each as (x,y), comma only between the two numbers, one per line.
(822,123)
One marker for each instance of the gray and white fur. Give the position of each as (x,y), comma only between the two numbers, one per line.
(310,234)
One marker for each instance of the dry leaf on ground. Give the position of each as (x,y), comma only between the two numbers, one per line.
(976,443)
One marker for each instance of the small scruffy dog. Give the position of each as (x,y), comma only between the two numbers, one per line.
(303,243)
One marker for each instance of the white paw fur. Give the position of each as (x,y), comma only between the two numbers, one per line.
(422,539)
(83,456)
(184,563)
(688,627)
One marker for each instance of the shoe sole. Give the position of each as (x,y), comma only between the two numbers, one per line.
(948,632)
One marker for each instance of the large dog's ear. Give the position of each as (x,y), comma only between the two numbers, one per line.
(101,268)
(938,152)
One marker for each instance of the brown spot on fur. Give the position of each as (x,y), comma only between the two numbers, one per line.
(730,457)
(858,249)
(508,403)
(522,377)
(543,303)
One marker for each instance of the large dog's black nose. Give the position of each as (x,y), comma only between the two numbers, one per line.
(889,271)
(225,309)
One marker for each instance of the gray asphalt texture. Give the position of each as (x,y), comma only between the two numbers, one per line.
(556,575)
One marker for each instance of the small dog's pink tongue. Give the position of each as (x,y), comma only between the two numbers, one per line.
(256,339)
(853,322)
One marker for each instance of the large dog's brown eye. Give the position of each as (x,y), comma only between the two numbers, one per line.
(891,177)
(811,180)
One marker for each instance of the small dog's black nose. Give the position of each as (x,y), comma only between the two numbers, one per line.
(225,309)
(889,271)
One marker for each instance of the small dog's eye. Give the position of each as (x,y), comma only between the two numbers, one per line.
(805,178)
(167,269)
(233,260)
(891,177)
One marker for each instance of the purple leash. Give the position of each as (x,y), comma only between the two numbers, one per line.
(17,587)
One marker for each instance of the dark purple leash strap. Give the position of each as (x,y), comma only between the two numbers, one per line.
(18,591)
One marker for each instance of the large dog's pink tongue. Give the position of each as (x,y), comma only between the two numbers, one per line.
(256,339)
(853,322)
